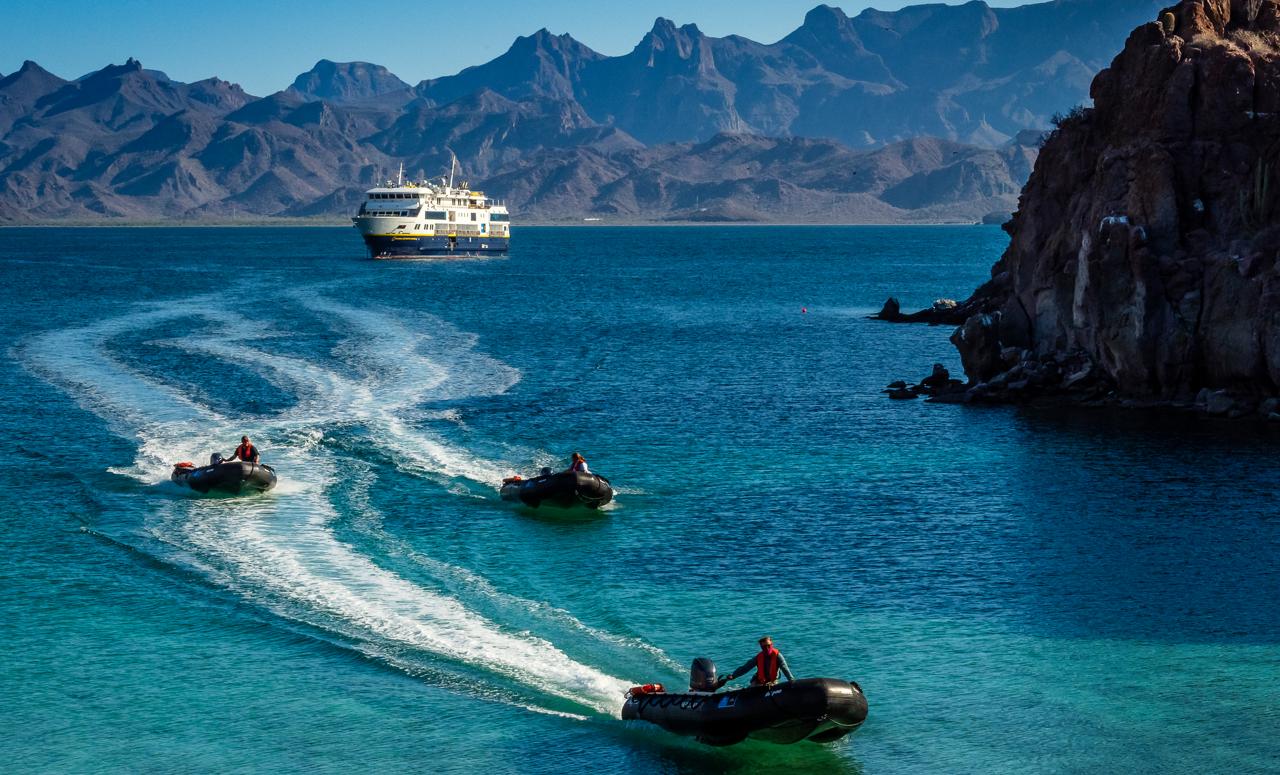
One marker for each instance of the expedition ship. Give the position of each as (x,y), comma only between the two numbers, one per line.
(422,220)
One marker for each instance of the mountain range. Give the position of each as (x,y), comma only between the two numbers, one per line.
(931,113)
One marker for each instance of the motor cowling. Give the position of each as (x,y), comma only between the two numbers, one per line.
(702,675)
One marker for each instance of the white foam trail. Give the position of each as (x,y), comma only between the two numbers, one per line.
(167,424)
(330,396)
(477,584)
(452,369)
(293,553)
(432,361)
(281,550)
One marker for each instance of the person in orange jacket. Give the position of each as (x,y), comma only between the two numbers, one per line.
(578,464)
(767,664)
(246,452)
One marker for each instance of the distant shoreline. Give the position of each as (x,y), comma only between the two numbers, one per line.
(303,223)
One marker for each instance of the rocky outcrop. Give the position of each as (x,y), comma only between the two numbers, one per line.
(1143,261)
(938,385)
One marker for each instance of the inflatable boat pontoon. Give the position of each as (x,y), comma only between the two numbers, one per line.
(565,489)
(820,710)
(234,478)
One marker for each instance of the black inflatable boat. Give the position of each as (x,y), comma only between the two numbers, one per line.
(566,490)
(820,710)
(234,478)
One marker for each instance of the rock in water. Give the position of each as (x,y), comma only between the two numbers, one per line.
(938,378)
(891,311)
(1145,247)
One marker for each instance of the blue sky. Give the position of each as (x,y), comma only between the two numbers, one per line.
(263,45)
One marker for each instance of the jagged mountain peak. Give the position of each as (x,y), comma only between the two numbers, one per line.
(824,17)
(119,95)
(347,82)
(539,64)
(220,94)
(31,76)
(685,42)
(974,16)
(662,26)
(545,39)
(114,76)
(827,27)
(22,90)
(30,67)
(130,66)
(831,38)
(665,31)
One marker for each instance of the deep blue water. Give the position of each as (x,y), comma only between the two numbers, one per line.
(1017,591)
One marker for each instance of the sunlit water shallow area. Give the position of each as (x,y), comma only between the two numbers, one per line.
(1016,590)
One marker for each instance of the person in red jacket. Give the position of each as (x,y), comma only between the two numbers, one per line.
(767,664)
(246,452)
(578,463)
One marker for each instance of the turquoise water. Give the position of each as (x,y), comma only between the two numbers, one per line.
(1017,591)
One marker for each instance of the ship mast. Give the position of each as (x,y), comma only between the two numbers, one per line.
(400,176)
(453,162)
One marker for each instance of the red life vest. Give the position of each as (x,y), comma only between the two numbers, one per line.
(766,666)
(245,452)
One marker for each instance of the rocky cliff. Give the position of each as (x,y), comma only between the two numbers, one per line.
(1143,261)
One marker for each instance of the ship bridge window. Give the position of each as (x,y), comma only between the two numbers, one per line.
(499,217)
(438,215)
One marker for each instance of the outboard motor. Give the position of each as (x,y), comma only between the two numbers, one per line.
(215,459)
(545,472)
(702,676)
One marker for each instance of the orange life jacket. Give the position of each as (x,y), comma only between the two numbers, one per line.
(245,452)
(766,666)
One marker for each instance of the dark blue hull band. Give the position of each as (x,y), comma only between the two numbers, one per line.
(434,247)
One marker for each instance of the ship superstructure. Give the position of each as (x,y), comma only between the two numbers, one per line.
(432,219)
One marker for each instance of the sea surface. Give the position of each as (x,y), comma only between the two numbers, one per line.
(1017,591)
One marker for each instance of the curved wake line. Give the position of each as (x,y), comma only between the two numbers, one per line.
(299,558)
(372,526)
(332,396)
(281,551)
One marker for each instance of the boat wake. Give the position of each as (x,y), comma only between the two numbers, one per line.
(286,552)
